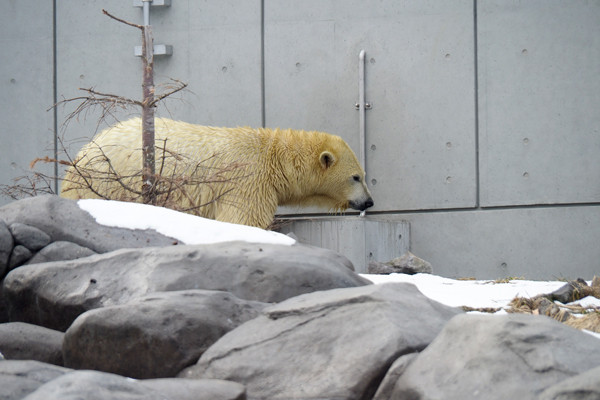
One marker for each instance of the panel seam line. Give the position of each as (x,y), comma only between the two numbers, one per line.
(55,94)
(476,106)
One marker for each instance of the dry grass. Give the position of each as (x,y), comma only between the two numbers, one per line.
(590,322)
(575,315)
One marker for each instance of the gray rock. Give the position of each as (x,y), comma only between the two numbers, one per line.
(408,263)
(63,220)
(19,256)
(60,250)
(19,378)
(156,336)
(29,236)
(6,246)
(513,356)
(21,341)
(386,388)
(54,294)
(585,386)
(572,291)
(197,389)
(334,344)
(94,385)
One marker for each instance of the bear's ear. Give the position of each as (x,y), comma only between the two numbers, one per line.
(327,159)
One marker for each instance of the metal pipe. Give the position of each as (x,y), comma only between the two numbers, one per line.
(361,113)
(361,107)
(146,5)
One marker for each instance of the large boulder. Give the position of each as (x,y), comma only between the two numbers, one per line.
(334,344)
(62,220)
(21,341)
(18,378)
(54,294)
(493,357)
(156,336)
(94,385)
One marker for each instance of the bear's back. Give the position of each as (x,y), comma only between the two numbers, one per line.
(233,144)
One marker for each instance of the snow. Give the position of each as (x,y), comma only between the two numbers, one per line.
(190,229)
(471,293)
(588,302)
(187,228)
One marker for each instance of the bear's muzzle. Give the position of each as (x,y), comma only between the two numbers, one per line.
(363,205)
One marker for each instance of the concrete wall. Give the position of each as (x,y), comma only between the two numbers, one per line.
(483,132)
(26,89)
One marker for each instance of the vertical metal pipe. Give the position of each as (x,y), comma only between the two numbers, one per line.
(146,5)
(361,113)
(361,107)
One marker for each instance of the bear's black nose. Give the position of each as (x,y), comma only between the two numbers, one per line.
(361,206)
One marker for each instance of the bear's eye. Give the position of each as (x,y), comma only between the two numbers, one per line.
(356,178)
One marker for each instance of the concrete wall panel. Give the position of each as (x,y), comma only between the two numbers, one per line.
(420,82)
(534,243)
(94,51)
(26,85)
(217,51)
(539,96)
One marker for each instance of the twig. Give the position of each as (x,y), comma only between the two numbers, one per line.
(181,86)
(122,20)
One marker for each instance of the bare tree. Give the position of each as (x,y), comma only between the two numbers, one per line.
(148,103)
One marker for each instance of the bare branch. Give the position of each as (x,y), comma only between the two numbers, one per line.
(107,102)
(108,96)
(122,20)
(179,87)
(47,159)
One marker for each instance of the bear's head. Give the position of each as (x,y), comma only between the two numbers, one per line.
(342,180)
(317,169)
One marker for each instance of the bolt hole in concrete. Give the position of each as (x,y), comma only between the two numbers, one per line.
(448,179)
(373,182)
(525,174)
(449,145)
(526,141)
(373,147)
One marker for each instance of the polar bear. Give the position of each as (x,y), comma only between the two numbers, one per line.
(237,175)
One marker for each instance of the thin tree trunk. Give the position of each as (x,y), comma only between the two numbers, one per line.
(148,152)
